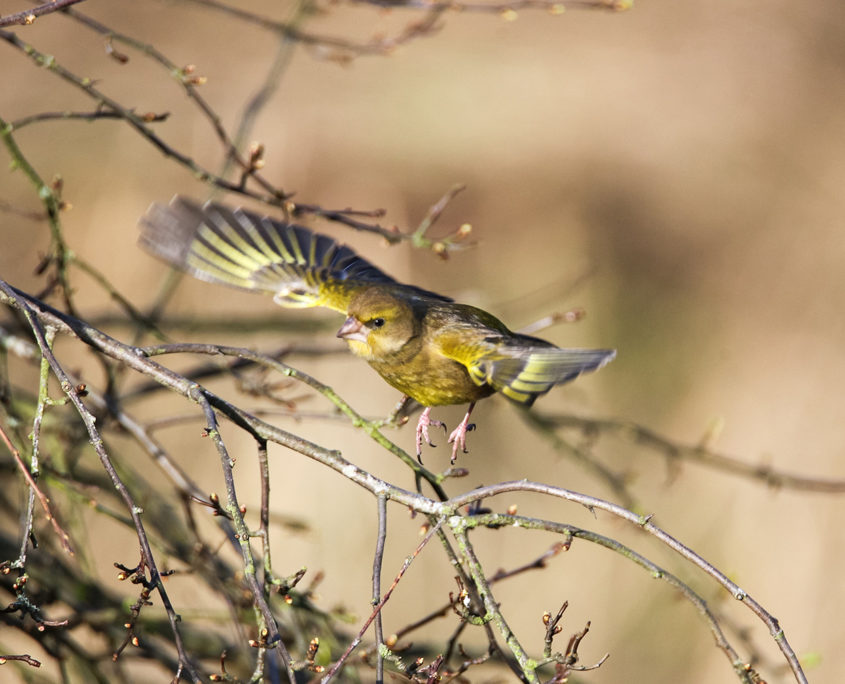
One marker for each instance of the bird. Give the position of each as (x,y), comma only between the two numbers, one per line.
(432,349)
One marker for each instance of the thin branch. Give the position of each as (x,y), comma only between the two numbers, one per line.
(49,198)
(675,451)
(378,559)
(491,606)
(377,610)
(512,6)
(264,533)
(342,50)
(269,631)
(28,17)
(64,537)
(277,67)
(471,593)
(17,124)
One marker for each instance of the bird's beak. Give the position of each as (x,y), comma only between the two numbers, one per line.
(352,329)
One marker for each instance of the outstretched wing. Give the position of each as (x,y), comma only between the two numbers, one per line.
(519,366)
(523,374)
(235,247)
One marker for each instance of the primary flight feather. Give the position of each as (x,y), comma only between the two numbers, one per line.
(430,348)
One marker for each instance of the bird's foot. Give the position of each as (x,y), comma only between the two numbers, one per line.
(458,438)
(424,423)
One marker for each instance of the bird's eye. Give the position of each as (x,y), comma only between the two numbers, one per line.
(377,322)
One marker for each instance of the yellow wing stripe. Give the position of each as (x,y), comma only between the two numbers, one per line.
(201,256)
(297,249)
(233,246)
(477,374)
(255,235)
(280,245)
(520,385)
(511,393)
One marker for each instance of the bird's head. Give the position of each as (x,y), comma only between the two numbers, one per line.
(378,323)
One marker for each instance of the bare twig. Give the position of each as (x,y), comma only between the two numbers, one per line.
(28,17)
(378,559)
(63,536)
(268,631)
(493,614)
(676,451)
(17,124)
(384,599)
(28,659)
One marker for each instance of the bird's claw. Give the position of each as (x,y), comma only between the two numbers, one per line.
(458,439)
(435,423)
(422,431)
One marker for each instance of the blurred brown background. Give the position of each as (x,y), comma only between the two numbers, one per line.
(677,170)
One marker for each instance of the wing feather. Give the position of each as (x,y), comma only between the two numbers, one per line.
(523,374)
(235,247)
(520,367)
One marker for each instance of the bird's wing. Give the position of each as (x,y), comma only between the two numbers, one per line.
(528,373)
(520,367)
(235,247)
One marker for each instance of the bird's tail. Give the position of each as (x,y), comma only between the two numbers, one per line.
(218,244)
(531,372)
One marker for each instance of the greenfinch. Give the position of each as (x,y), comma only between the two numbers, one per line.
(432,349)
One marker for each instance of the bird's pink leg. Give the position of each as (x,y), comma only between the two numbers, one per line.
(422,430)
(458,438)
